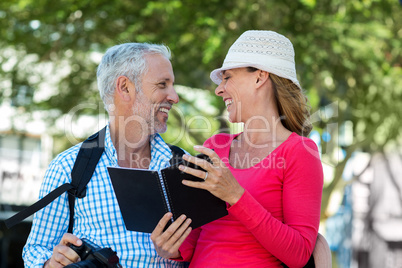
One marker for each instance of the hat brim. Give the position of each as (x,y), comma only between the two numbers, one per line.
(216,75)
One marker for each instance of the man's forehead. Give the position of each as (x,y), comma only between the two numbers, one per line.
(159,67)
(159,76)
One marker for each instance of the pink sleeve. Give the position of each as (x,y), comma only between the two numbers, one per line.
(187,248)
(293,240)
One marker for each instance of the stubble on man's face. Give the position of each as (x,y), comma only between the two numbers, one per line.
(145,109)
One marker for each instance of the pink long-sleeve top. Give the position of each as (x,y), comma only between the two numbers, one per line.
(277,218)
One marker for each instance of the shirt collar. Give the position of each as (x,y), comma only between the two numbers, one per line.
(109,147)
(160,153)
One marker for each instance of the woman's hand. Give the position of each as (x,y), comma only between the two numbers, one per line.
(167,243)
(218,180)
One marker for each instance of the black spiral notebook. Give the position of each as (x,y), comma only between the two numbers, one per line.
(144,197)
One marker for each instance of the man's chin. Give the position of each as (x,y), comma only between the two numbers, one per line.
(161,131)
(160,128)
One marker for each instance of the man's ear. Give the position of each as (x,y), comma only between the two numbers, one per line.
(123,87)
(262,77)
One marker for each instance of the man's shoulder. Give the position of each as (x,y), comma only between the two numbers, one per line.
(175,149)
(67,157)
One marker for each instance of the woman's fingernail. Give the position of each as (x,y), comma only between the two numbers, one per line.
(181,167)
(197,147)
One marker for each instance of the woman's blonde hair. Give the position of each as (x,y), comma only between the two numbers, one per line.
(293,106)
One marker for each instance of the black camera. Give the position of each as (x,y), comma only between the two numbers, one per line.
(94,256)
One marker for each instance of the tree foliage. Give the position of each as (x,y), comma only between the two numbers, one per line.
(348,55)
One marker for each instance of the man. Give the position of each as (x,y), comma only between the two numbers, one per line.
(136,85)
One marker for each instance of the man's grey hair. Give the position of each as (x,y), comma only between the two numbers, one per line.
(128,60)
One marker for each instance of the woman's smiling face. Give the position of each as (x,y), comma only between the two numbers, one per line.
(236,91)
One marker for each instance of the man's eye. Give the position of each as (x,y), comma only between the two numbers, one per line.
(226,78)
(162,85)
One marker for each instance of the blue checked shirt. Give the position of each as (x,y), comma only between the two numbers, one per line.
(97,216)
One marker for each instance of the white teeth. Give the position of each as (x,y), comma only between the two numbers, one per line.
(228,102)
(164,110)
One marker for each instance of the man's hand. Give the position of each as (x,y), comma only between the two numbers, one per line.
(167,243)
(62,254)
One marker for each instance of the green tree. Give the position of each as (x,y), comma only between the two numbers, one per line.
(347,53)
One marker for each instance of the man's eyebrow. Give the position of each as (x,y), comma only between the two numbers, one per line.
(166,79)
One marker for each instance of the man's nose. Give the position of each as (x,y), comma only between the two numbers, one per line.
(172,95)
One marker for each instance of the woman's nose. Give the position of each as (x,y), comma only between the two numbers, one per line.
(219,89)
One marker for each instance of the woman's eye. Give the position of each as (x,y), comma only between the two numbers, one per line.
(226,78)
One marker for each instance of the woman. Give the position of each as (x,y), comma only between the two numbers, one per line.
(269,175)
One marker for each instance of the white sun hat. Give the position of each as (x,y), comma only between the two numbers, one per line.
(264,50)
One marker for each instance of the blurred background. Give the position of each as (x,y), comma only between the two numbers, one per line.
(348,56)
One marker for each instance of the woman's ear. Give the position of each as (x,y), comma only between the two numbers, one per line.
(123,88)
(262,77)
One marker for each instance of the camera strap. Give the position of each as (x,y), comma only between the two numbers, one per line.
(87,159)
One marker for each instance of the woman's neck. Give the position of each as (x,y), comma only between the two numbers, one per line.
(261,130)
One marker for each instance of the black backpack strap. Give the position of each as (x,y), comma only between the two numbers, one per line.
(20,216)
(93,148)
(87,159)
(177,154)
